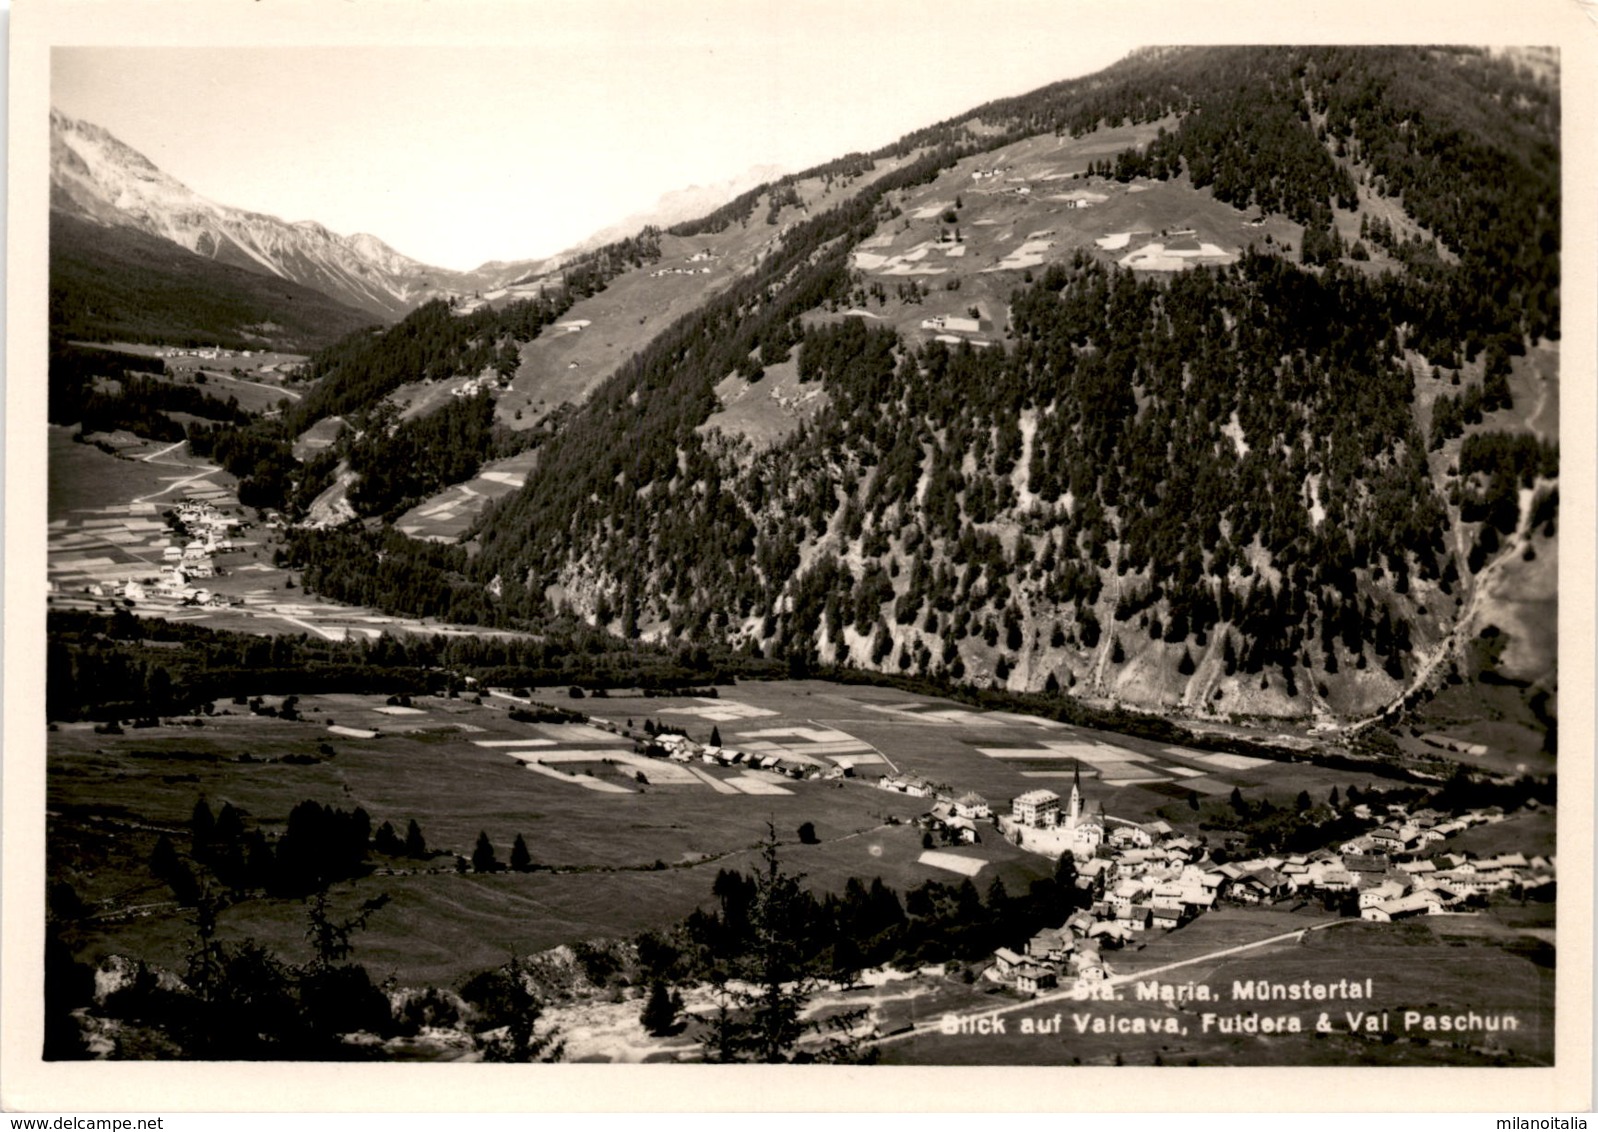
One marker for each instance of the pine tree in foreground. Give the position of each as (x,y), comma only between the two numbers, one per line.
(761,993)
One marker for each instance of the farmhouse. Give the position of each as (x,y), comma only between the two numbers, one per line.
(1051,944)
(1417,904)
(1006,961)
(1381,894)
(1031,978)
(972,805)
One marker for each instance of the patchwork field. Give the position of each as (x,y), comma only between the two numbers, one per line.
(622,842)
(616,854)
(997,754)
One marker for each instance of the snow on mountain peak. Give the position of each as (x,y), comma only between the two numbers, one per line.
(95,175)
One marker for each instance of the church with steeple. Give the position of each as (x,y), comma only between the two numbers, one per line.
(1087,831)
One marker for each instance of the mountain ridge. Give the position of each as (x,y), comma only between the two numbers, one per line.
(97,177)
(119,282)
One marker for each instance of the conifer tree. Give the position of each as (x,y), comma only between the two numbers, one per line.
(484,860)
(660,1012)
(415,846)
(520,860)
(762,992)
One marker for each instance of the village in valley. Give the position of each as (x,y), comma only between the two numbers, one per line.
(1078,586)
(1135,878)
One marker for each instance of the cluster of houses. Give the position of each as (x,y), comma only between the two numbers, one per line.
(471,387)
(1072,952)
(1135,877)
(681,749)
(1449,743)
(208,532)
(1403,873)
(1138,877)
(212,354)
(658,272)
(955,817)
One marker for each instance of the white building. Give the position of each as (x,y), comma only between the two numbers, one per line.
(1039,809)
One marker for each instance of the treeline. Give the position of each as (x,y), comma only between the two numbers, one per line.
(319,845)
(1467,142)
(118,666)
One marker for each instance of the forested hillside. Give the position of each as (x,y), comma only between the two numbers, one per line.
(1234,488)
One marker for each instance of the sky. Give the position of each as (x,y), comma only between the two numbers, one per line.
(455,155)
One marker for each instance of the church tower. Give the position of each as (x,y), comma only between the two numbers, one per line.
(1074,814)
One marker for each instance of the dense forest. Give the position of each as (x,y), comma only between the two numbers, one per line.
(1116,459)
(118,666)
(102,390)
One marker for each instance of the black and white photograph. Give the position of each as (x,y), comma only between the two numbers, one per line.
(920,536)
